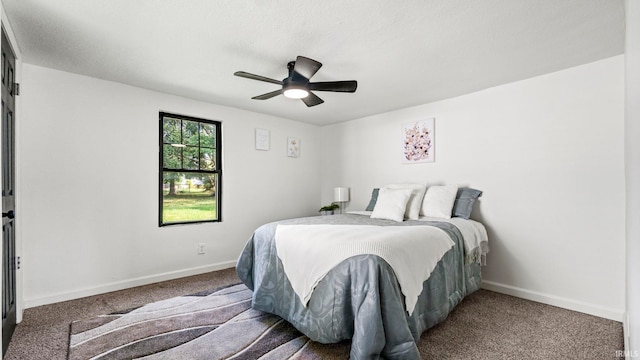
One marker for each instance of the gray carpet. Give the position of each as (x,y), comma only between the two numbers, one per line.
(486,325)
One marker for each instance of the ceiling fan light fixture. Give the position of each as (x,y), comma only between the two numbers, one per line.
(294,92)
(297,84)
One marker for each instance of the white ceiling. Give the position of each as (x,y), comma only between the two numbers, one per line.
(402,53)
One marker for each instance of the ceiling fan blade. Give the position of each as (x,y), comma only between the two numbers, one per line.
(306,67)
(268,95)
(336,86)
(256,77)
(312,100)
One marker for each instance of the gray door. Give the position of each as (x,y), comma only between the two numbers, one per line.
(8,195)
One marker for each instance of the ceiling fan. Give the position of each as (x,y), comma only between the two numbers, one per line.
(297,85)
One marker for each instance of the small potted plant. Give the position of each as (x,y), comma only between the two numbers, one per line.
(328,209)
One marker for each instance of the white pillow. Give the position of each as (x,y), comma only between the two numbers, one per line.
(391,204)
(438,201)
(415,200)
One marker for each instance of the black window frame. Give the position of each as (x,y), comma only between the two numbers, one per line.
(217,168)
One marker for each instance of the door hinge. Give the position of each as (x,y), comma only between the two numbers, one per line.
(16,89)
(17,264)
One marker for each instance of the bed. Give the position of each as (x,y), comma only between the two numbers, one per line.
(361,298)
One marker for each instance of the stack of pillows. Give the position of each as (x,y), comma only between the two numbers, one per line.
(400,202)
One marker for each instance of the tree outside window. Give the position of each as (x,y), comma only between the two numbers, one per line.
(190,174)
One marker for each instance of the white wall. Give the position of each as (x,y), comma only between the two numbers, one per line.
(632,166)
(89,162)
(547,152)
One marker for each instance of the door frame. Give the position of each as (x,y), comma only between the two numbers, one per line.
(17,128)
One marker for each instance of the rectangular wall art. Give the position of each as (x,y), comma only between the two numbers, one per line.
(293,147)
(418,142)
(262,139)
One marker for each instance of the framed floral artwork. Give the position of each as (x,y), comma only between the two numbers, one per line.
(418,144)
(293,147)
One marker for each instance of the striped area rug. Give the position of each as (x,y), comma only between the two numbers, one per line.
(217,324)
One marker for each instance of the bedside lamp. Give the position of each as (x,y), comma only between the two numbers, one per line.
(341,195)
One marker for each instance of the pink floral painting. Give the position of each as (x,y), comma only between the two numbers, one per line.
(418,142)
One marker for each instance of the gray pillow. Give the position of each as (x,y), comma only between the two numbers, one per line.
(374,198)
(464,202)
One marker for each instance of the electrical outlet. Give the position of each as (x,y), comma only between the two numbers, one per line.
(201,248)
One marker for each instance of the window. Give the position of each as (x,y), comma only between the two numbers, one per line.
(190,170)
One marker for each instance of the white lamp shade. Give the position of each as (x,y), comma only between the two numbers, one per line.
(341,194)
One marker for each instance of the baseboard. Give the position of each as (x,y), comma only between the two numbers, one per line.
(125,284)
(625,331)
(565,303)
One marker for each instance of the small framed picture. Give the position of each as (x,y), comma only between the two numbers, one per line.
(418,142)
(262,139)
(293,147)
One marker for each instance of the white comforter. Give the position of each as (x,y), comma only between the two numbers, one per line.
(413,252)
(474,234)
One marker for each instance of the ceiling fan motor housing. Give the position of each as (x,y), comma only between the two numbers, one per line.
(295,83)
